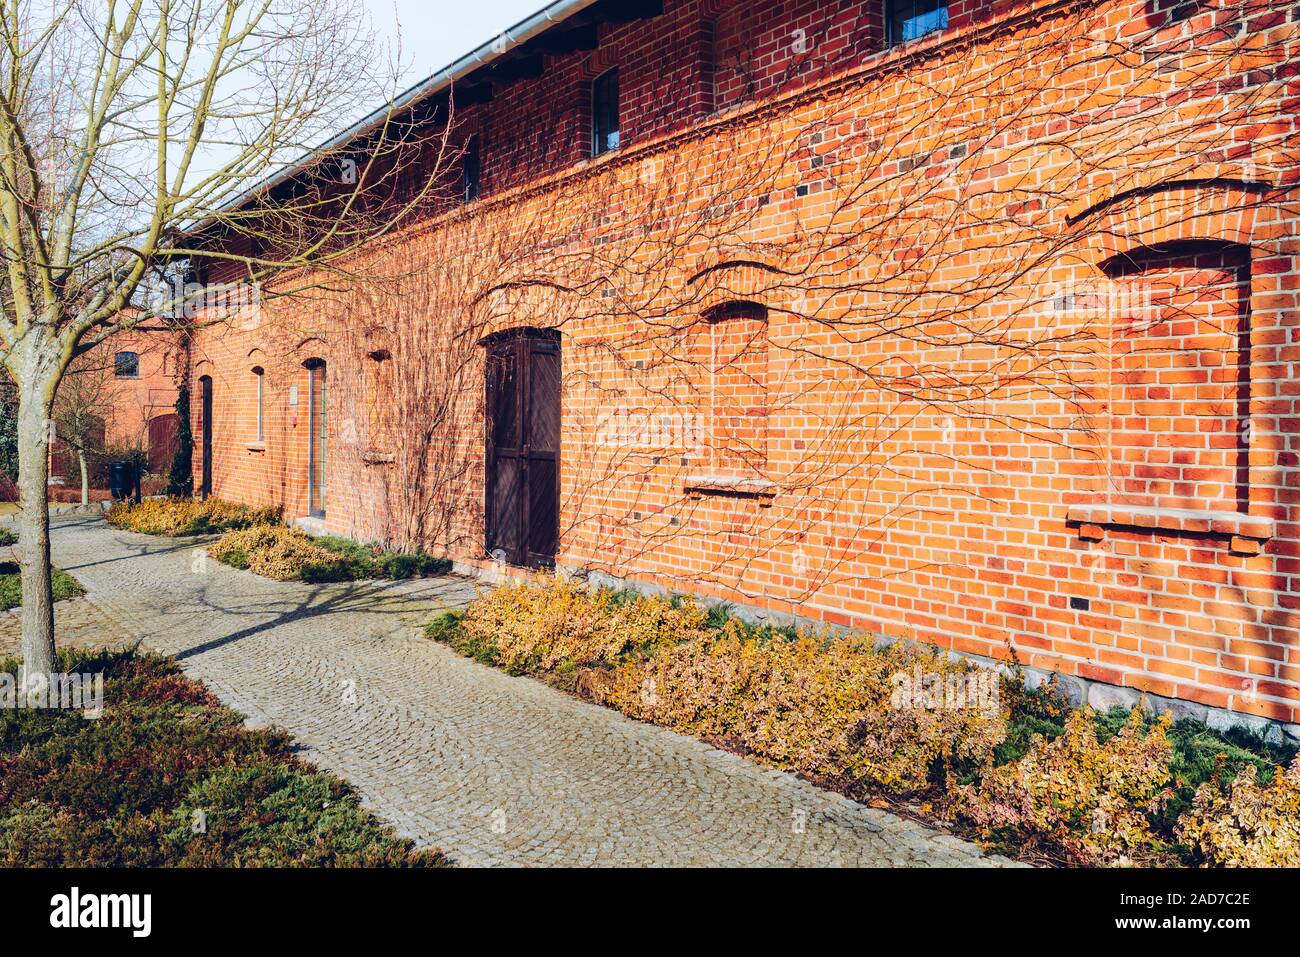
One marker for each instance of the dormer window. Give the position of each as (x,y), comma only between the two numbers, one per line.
(604,113)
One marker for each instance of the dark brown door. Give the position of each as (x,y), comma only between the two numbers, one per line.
(162,442)
(523,447)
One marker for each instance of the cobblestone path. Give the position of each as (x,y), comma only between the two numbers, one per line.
(492,769)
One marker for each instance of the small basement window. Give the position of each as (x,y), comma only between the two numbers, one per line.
(126,365)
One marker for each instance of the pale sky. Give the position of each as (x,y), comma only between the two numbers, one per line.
(432,33)
(416,38)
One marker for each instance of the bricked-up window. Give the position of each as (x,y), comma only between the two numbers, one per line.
(126,365)
(911,19)
(259,385)
(1180,386)
(737,426)
(471,167)
(380,399)
(604,113)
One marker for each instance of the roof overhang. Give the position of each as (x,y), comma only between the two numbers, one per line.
(517,53)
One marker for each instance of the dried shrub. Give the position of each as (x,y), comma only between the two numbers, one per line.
(535,629)
(821,706)
(1088,799)
(1246,824)
(275,551)
(284,553)
(185,516)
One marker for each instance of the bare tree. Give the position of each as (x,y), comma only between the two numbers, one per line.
(127,129)
(88,398)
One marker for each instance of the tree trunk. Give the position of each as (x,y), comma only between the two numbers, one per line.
(85,478)
(34,532)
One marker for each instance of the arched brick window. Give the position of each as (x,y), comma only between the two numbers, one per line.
(259,404)
(732,348)
(1180,376)
(380,400)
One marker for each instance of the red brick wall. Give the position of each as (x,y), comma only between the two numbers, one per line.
(130,404)
(965,433)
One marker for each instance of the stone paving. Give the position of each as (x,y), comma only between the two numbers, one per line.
(494,770)
(79,625)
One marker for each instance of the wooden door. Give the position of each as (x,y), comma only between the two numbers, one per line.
(162,442)
(523,448)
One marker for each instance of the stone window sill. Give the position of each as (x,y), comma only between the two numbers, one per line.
(374,457)
(255,446)
(727,486)
(1204,521)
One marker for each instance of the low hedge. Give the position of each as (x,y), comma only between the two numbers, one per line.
(1015,768)
(189,516)
(286,554)
(169,777)
(62,585)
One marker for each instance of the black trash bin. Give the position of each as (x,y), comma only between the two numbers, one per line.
(124,480)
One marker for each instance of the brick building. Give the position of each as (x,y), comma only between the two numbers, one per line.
(121,399)
(974,324)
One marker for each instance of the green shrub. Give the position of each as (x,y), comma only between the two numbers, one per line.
(127,789)
(62,584)
(358,562)
(448,629)
(7,536)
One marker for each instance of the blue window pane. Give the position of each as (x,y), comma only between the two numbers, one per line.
(910,19)
(919,26)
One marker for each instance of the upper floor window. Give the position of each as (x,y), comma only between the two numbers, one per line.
(471,165)
(910,19)
(126,365)
(604,113)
